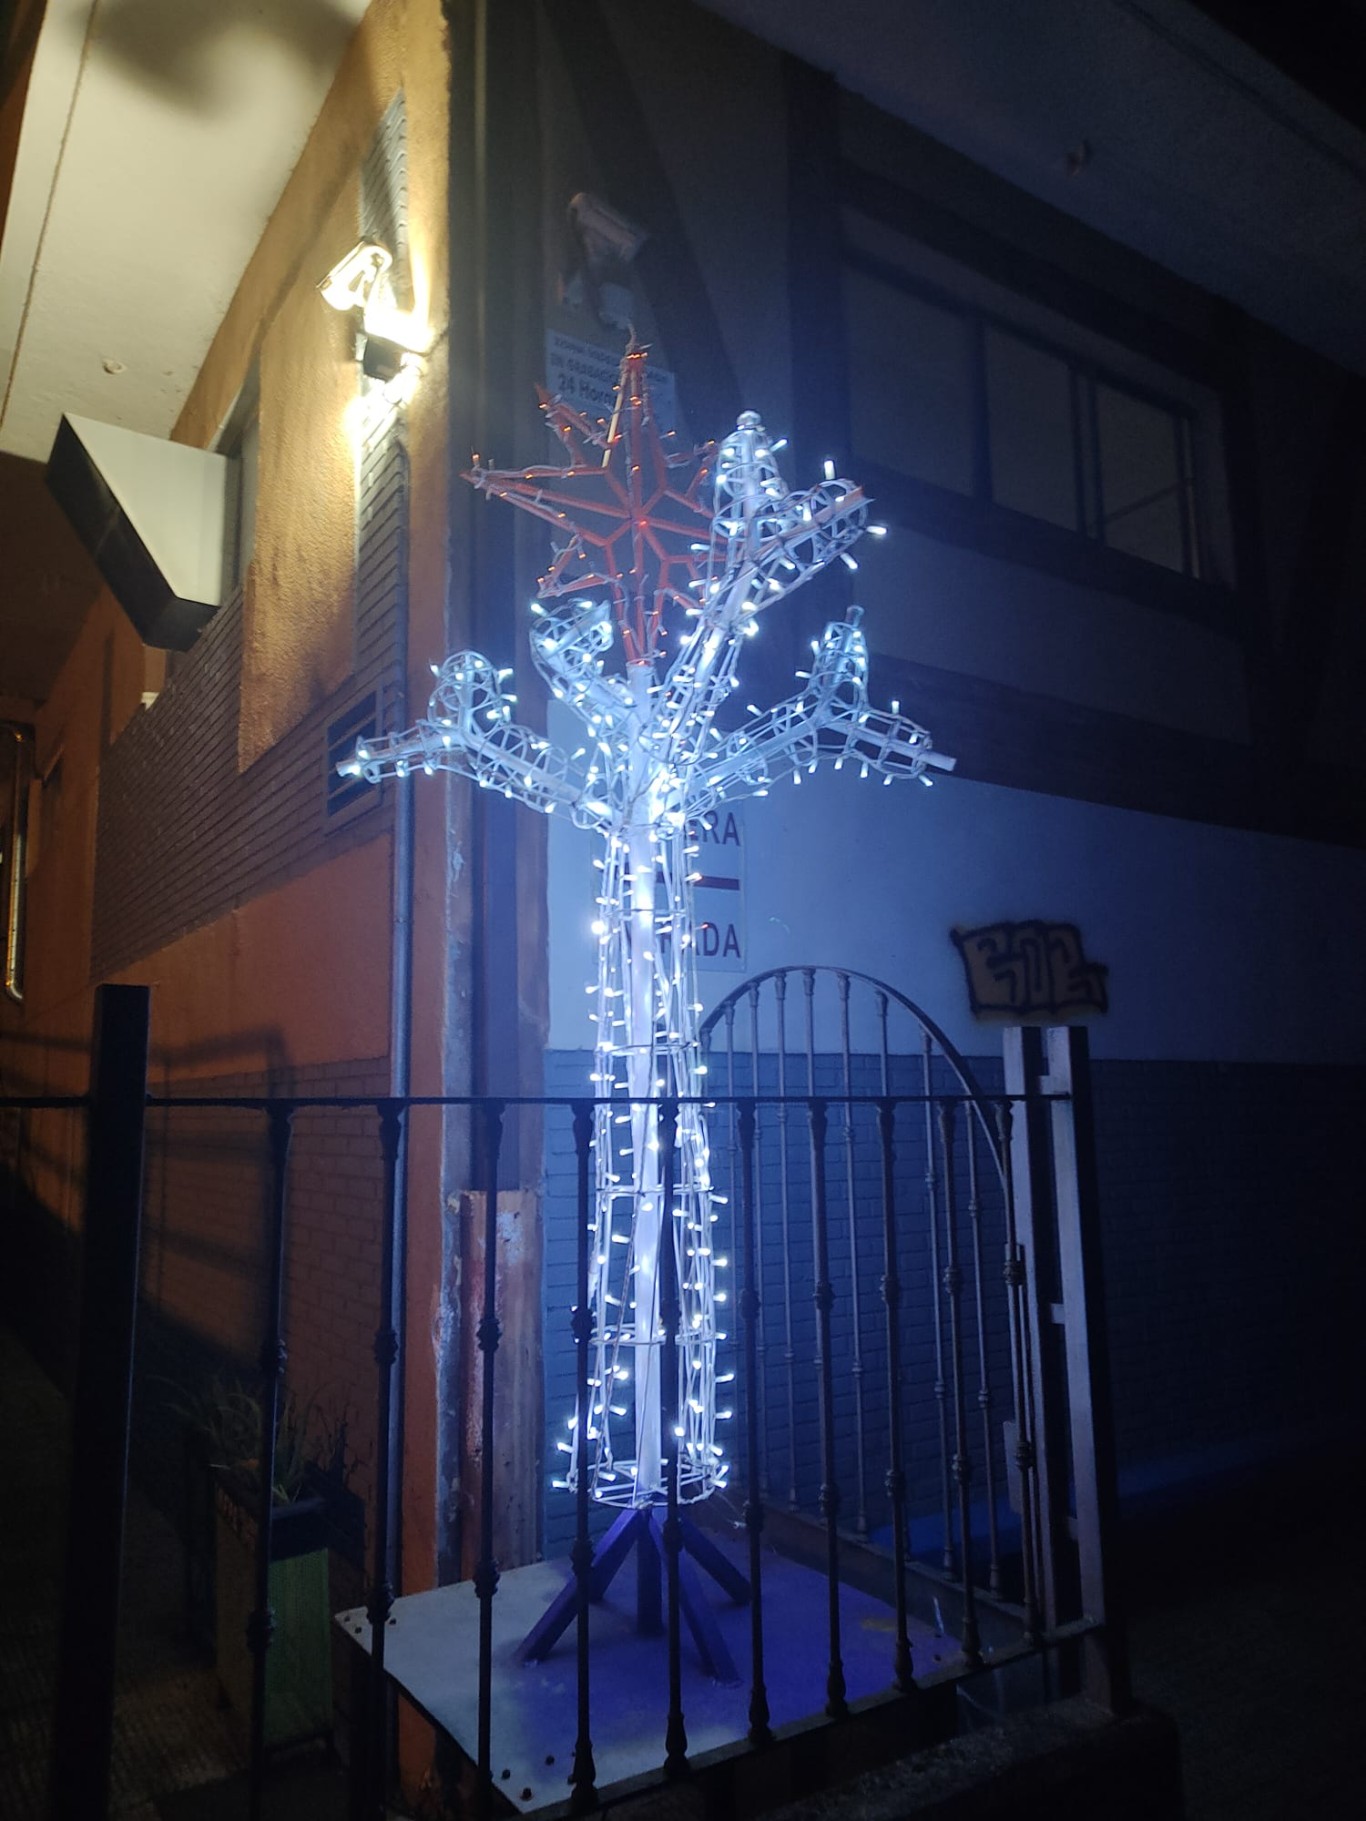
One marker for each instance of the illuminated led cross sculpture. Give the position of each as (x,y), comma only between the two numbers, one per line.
(677,554)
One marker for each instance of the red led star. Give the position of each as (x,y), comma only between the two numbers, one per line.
(631,510)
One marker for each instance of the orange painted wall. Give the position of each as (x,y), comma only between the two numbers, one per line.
(299,977)
(283,982)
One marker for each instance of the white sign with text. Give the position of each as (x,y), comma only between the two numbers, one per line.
(719,894)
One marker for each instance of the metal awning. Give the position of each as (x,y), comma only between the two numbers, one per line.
(154,515)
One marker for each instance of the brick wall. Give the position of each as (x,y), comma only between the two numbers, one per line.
(182,835)
(206,1261)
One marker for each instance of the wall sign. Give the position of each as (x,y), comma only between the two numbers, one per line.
(719,895)
(585,376)
(1018,971)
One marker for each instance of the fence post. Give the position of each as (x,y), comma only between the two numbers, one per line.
(1046,1481)
(101,1404)
(1104,1661)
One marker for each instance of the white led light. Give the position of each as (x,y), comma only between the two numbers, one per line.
(658,766)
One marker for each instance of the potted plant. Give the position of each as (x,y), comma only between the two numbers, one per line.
(309,1497)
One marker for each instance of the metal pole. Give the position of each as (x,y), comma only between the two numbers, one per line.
(274,1357)
(940,1386)
(962,1460)
(584,1774)
(891,1296)
(392,1117)
(824,1297)
(486,1570)
(784,1229)
(759,1729)
(84,1722)
(855,1279)
(983,1372)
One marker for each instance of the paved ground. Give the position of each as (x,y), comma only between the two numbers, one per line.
(1248,1631)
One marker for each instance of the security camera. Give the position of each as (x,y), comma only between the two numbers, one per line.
(607,236)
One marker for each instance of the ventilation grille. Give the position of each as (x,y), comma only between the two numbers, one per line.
(384,194)
(346,796)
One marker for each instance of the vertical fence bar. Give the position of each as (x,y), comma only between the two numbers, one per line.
(1020,1380)
(784,1229)
(392,1118)
(856,1361)
(962,1460)
(273,1359)
(732,1187)
(824,1298)
(676,1736)
(983,1376)
(486,1569)
(940,1386)
(583,1777)
(809,994)
(891,1296)
(84,1718)
(759,1729)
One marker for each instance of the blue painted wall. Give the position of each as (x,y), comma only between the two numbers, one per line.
(1222,944)
(1229,1081)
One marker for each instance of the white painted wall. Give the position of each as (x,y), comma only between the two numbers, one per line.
(1222,945)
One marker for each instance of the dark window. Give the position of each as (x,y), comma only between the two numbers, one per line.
(949,394)
(1032,434)
(910,383)
(1145,490)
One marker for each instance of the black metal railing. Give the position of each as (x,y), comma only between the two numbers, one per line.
(959,1337)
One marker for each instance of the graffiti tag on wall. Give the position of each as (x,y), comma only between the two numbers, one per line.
(1030,970)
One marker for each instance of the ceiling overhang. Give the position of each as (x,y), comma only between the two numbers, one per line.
(1145,119)
(157,138)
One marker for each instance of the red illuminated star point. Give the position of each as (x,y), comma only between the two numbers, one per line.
(630,511)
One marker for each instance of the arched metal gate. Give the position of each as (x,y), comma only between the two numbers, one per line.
(917,1348)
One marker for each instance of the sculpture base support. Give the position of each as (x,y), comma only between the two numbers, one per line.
(639,1529)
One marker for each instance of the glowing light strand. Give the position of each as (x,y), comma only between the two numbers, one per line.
(644,540)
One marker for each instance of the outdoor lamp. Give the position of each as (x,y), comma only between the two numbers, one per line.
(360,281)
(352,281)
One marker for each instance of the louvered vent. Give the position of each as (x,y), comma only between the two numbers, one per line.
(384,194)
(347,795)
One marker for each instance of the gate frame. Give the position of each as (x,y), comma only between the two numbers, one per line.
(1057,1214)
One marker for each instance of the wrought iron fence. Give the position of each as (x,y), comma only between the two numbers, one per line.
(909,1338)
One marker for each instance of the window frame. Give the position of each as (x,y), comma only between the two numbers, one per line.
(1085,374)
(934,238)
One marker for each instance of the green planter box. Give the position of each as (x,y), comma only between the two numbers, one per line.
(299,1661)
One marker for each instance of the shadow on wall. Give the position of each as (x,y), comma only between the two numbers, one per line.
(175,47)
(40,1253)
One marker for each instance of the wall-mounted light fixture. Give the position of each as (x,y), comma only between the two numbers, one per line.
(352,282)
(360,281)
(391,365)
